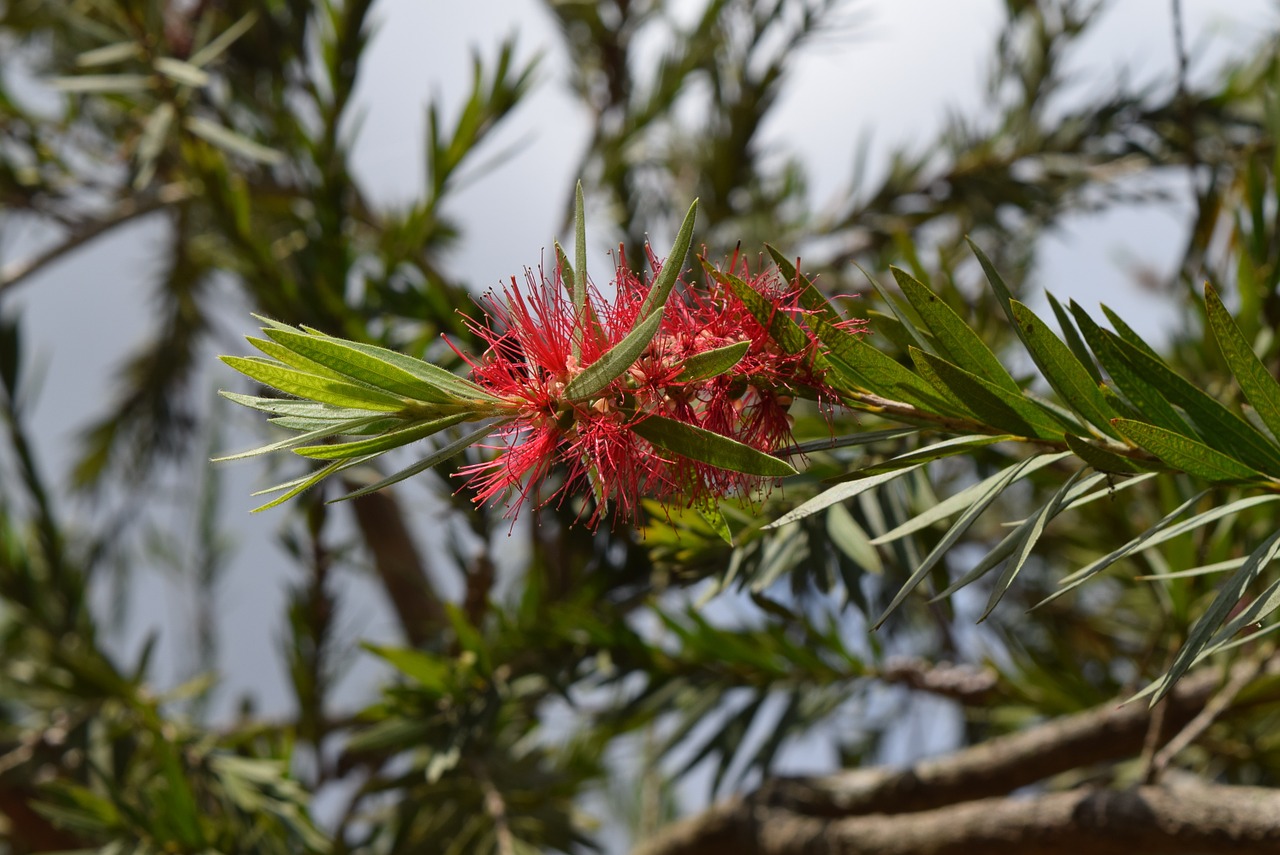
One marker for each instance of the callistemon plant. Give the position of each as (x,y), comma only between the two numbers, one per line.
(670,390)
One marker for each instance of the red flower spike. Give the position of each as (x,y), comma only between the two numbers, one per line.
(530,361)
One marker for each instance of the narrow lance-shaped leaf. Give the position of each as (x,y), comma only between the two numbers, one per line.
(1061,368)
(960,344)
(292,407)
(440,455)
(316,388)
(1164,530)
(906,327)
(1002,550)
(1256,382)
(320,432)
(711,363)
(1151,404)
(1034,527)
(459,387)
(706,446)
(614,362)
(383,443)
(946,448)
(1101,459)
(1073,338)
(994,405)
(579,254)
(877,372)
(981,502)
(1217,612)
(810,297)
(1189,455)
(955,400)
(958,502)
(670,272)
(302,484)
(1217,426)
(361,366)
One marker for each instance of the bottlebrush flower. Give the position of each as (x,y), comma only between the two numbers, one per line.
(680,394)
(623,441)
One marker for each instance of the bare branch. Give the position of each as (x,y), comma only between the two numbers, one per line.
(838,808)
(997,766)
(1152,820)
(128,210)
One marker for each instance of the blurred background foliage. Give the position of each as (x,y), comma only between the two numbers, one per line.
(230,121)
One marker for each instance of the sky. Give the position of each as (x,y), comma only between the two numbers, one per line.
(911,61)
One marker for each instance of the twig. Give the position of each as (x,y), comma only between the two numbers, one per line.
(128,210)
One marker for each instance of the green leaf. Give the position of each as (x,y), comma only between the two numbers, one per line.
(323,389)
(671,267)
(1217,426)
(300,485)
(1073,339)
(94,83)
(180,72)
(710,513)
(994,405)
(285,356)
(321,432)
(956,503)
(1259,387)
(954,401)
(1189,455)
(981,502)
(711,363)
(904,325)
(1061,368)
(1100,458)
(852,440)
(361,366)
(411,432)
(433,375)
(1033,528)
(782,329)
(1162,531)
(440,455)
(877,372)
(1003,296)
(960,344)
(432,673)
(224,40)
(1217,612)
(614,362)
(231,142)
(580,252)
(945,448)
(1144,397)
(294,407)
(839,493)
(1002,550)
(706,446)
(1127,334)
(849,538)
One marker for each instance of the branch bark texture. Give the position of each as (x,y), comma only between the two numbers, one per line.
(960,803)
